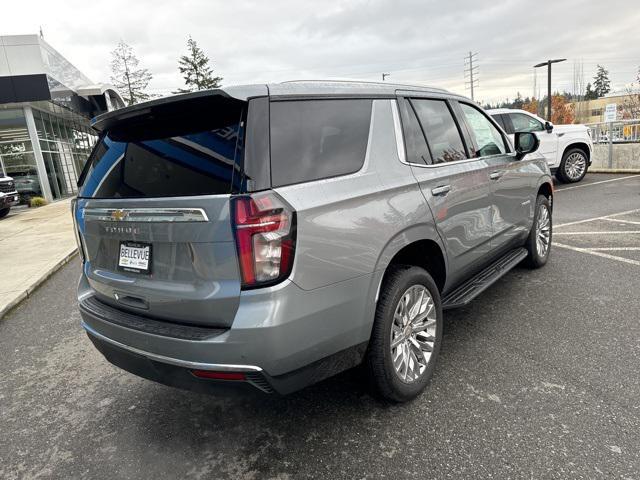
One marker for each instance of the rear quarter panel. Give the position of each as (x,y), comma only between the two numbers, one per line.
(351,225)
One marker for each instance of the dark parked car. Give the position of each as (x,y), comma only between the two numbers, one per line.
(27,183)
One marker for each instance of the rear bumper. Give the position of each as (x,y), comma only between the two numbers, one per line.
(282,338)
(180,374)
(172,372)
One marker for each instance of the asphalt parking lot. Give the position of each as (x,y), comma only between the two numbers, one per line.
(538,378)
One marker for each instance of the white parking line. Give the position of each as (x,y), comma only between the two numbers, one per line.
(614,249)
(596,183)
(600,251)
(604,217)
(597,253)
(620,232)
(619,220)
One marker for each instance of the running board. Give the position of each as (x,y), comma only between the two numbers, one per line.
(473,287)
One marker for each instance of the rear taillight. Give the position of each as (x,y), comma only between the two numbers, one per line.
(264,227)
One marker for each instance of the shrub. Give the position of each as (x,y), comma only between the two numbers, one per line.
(37,202)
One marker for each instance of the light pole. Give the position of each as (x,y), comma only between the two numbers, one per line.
(548,65)
(385,75)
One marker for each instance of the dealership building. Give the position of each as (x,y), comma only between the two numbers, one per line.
(45,109)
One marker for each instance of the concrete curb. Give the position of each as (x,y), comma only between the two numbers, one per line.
(16,301)
(614,170)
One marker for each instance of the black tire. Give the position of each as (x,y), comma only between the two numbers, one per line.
(563,174)
(378,362)
(4,212)
(534,258)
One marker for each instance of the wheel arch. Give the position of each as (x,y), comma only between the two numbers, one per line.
(545,187)
(417,246)
(583,146)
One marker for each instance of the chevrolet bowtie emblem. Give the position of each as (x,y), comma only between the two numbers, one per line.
(119,215)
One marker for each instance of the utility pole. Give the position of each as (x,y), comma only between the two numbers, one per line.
(385,75)
(548,65)
(470,71)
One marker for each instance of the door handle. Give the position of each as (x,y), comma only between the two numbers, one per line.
(496,175)
(441,190)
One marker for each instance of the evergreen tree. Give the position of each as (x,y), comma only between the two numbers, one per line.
(195,70)
(518,102)
(589,94)
(601,82)
(130,80)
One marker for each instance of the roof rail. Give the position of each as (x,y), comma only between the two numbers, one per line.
(371,82)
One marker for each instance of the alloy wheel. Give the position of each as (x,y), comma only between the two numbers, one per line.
(543,231)
(575,165)
(413,333)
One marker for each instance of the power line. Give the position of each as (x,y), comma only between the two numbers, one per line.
(471,72)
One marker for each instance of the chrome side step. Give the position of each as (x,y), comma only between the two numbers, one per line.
(473,287)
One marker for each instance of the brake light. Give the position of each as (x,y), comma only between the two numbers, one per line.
(264,227)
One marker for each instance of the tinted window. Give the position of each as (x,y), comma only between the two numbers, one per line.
(506,121)
(489,140)
(158,158)
(525,123)
(498,118)
(441,130)
(314,139)
(416,145)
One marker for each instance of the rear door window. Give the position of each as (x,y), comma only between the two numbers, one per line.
(442,132)
(315,139)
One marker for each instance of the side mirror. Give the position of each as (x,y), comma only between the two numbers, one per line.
(548,126)
(526,142)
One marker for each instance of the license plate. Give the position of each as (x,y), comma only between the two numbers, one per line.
(135,257)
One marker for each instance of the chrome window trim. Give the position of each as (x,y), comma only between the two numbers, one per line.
(219,367)
(400,138)
(400,135)
(148,215)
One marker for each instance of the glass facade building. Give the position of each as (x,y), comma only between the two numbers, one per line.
(64,140)
(45,110)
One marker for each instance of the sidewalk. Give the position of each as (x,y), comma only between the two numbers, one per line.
(33,244)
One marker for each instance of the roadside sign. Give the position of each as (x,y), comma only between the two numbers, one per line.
(611,112)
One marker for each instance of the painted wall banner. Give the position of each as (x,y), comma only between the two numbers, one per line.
(611,112)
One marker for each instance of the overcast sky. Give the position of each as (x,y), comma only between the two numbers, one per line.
(418,41)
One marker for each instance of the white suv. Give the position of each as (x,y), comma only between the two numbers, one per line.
(8,194)
(567,148)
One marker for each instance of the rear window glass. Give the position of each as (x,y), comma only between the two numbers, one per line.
(315,139)
(165,158)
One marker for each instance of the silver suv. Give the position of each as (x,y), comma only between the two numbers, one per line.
(270,236)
